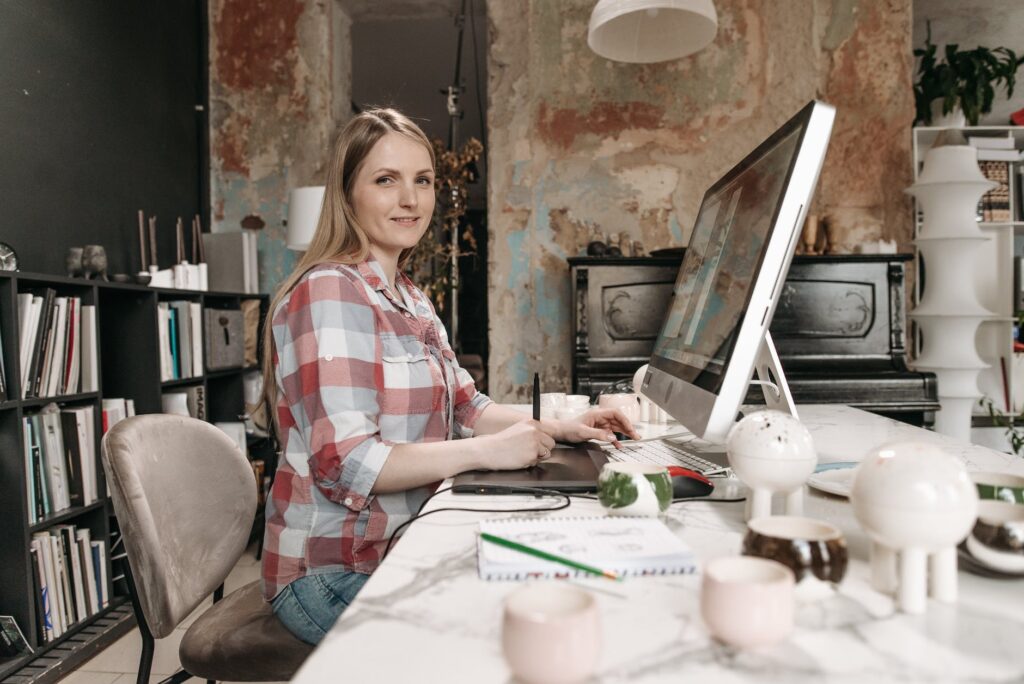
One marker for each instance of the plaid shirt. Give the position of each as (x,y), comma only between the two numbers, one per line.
(358,370)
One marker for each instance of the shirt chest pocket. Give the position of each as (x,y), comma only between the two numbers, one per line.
(407,366)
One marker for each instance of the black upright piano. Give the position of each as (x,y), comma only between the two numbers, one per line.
(839,327)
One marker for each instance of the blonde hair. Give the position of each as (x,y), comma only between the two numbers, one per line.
(338,237)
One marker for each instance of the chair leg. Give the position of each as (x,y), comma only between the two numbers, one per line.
(218,593)
(146,659)
(148,643)
(178,677)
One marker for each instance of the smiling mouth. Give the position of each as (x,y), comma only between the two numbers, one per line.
(407,220)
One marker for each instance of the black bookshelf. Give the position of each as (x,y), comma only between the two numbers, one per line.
(129,367)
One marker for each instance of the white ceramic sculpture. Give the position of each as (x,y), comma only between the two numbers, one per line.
(915,501)
(649,411)
(772,452)
(949,313)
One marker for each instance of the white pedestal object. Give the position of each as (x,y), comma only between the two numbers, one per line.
(649,411)
(948,316)
(771,452)
(916,502)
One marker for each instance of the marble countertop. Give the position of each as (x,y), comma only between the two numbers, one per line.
(425,616)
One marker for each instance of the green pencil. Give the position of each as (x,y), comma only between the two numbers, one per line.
(522,548)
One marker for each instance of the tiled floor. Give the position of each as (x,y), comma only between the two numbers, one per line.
(119,664)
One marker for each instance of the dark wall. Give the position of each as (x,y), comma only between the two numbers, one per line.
(98,119)
(406,63)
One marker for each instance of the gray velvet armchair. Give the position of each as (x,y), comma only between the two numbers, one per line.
(185,499)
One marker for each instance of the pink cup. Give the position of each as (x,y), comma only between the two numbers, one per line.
(747,602)
(551,633)
(627,403)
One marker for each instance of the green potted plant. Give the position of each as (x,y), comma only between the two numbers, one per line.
(965,79)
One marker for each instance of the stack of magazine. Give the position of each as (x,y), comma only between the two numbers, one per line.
(58,344)
(70,574)
(180,325)
(60,460)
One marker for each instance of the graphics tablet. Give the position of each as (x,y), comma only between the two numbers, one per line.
(568,469)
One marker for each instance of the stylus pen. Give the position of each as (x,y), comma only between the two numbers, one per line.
(529,550)
(536,396)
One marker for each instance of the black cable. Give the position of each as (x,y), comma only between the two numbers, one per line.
(476,80)
(536,491)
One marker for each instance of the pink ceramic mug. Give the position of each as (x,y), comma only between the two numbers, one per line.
(627,403)
(551,633)
(747,602)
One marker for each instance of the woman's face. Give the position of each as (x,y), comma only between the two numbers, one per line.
(393,194)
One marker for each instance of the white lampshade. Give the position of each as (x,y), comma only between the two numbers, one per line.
(303,214)
(643,31)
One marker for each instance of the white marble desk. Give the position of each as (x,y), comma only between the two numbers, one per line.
(425,616)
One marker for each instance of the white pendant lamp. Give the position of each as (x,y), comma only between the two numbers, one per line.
(303,214)
(644,31)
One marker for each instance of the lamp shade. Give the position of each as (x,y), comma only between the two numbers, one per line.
(643,31)
(303,214)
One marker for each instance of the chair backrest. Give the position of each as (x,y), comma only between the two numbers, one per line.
(185,499)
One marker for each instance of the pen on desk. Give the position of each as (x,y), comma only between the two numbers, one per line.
(536,396)
(529,550)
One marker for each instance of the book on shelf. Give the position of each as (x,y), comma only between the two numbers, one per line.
(53,458)
(116,409)
(3,374)
(99,559)
(68,578)
(29,306)
(233,261)
(1002,141)
(994,206)
(172,334)
(38,342)
(89,352)
(44,624)
(1001,148)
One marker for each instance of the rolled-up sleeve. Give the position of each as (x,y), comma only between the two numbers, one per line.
(334,384)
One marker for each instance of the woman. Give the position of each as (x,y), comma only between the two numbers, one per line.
(367,391)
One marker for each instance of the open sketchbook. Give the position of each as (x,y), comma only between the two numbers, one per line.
(624,545)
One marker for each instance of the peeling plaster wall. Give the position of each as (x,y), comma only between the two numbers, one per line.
(280,81)
(970,23)
(577,141)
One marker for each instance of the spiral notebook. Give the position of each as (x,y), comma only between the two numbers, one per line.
(624,545)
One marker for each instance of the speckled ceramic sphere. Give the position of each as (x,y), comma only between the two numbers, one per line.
(914,495)
(771,450)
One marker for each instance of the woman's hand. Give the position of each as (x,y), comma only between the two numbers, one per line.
(597,423)
(520,445)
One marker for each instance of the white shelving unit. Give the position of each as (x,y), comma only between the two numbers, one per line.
(994,279)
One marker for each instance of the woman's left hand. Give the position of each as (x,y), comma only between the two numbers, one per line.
(597,423)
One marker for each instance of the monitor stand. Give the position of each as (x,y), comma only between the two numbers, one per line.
(768,371)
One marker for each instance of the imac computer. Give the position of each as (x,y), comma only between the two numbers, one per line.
(715,334)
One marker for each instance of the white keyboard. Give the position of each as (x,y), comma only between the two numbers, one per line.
(664,453)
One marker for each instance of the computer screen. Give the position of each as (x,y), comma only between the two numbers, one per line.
(739,252)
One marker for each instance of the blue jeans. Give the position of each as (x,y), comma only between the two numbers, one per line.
(310,605)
